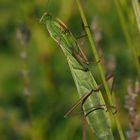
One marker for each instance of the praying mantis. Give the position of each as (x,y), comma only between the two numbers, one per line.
(90,95)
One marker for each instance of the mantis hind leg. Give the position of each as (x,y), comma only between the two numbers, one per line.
(80,101)
(85,69)
(103,107)
(84,98)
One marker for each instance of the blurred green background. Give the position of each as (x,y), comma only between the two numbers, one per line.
(39,115)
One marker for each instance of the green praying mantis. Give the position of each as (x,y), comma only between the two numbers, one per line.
(90,95)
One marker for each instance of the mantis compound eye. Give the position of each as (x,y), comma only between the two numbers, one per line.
(45,17)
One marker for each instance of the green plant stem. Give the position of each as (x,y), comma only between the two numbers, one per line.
(99,66)
(127,37)
(136,9)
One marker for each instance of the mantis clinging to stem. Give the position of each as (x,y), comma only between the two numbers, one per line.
(90,95)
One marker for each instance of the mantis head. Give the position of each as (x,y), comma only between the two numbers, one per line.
(56,28)
(45,17)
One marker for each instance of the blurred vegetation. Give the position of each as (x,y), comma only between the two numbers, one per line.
(39,114)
